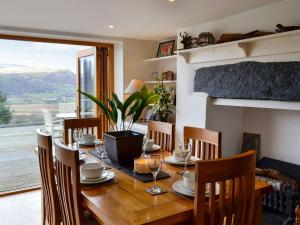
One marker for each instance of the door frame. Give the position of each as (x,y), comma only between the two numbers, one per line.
(110,48)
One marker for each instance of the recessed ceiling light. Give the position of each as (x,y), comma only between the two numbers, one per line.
(111,26)
(171,0)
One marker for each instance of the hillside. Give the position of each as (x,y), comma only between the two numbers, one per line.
(23,84)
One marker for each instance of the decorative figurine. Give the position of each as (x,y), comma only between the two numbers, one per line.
(205,39)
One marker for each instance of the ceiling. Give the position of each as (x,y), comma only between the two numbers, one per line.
(140,19)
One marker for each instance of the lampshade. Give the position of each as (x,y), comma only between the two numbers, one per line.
(134,86)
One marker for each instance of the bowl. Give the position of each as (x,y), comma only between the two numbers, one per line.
(91,170)
(189,181)
(180,155)
(149,144)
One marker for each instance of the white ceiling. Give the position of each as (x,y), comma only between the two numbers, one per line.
(141,19)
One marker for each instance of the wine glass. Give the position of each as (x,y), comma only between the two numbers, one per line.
(100,148)
(77,135)
(186,159)
(154,164)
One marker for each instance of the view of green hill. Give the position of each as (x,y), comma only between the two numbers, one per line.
(35,85)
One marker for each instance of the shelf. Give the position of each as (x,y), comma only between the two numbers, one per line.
(165,82)
(265,104)
(161,59)
(286,42)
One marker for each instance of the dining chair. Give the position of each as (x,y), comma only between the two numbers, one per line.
(66,107)
(206,144)
(163,134)
(87,125)
(68,183)
(225,190)
(50,202)
(52,125)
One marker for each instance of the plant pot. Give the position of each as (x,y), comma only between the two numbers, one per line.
(123,147)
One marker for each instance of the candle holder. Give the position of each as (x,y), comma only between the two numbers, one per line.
(141,165)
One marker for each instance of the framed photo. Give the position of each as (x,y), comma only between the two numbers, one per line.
(165,49)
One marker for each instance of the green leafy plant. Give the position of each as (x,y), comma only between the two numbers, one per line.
(5,112)
(161,107)
(132,108)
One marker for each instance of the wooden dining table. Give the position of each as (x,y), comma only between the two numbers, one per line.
(125,201)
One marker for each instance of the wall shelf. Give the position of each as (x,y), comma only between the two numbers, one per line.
(172,57)
(165,82)
(265,104)
(279,43)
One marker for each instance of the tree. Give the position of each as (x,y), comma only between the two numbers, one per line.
(5,112)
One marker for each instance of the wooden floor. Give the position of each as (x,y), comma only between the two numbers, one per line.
(18,163)
(25,209)
(21,209)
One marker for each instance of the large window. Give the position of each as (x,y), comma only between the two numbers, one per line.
(38,88)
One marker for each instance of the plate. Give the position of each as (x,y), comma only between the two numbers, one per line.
(81,156)
(171,159)
(154,148)
(106,176)
(179,188)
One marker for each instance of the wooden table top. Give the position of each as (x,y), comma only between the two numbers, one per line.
(125,201)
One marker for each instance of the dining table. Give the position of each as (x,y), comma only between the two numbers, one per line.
(125,201)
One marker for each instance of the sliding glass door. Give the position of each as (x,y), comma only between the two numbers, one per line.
(94,76)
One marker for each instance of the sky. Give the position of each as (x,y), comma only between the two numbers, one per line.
(54,56)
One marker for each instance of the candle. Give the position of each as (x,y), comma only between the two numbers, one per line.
(141,165)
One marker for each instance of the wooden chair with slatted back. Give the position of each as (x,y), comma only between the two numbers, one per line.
(163,134)
(233,203)
(87,125)
(68,182)
(50,202)
(206,144)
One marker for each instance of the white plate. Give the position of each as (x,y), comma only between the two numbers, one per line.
(178,187)
(106,176)
(81,156)
(171,159)
(154,148)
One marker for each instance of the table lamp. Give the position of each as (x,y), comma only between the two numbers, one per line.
(134,86)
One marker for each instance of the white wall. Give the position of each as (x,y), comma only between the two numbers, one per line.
(280,129)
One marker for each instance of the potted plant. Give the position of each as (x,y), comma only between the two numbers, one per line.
(160,109)
(122,144)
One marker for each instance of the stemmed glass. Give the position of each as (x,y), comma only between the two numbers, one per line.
(187,157)
(154,164)
(77,135)
(100,148)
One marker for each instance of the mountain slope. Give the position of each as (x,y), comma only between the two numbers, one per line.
(34,84)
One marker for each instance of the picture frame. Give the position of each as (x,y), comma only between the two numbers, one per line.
(165,49)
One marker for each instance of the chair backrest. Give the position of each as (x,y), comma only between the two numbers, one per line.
(68,182)
(87,125)
(206,144)
(50,201)
(47,116)
(163,134)
(234,180)
(66,107)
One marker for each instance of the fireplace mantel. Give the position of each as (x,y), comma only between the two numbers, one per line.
(265,104)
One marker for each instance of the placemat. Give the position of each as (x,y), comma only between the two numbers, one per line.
(129,170)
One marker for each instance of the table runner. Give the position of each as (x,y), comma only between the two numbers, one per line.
(129,170)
